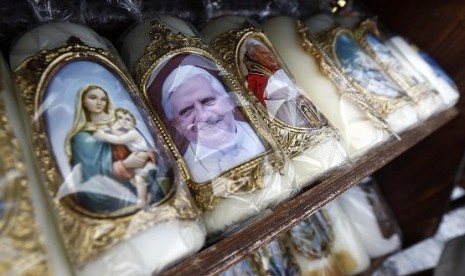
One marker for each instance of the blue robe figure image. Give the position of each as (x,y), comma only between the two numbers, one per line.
(363,69)
(102,170)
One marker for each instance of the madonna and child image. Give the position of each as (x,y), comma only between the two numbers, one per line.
(101,142)
(208,129)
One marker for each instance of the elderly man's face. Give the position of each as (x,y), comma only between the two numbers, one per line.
(263,56)
(201,114)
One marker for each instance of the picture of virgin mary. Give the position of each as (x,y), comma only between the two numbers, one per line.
(363,69)
(99,173)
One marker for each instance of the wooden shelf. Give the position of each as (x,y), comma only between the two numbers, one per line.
(226,252)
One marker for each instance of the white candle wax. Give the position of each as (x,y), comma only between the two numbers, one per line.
(347,247)
(235,208)
(156,247)
(358,131)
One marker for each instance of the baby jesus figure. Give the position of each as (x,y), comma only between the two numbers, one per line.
(124,132)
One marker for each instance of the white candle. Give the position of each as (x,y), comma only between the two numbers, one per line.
(310,162)
(25,209)
(428,101)
(131,250)
(404,51)
(347,247)
(402,114)
(311,242)
(326,244)
(364,216)
(231,209)
(358,131)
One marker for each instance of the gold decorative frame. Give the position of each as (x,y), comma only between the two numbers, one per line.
(384,105)
(18,227)
(86,235)
(416,91)
(294,140)
(328,68)
(244,178)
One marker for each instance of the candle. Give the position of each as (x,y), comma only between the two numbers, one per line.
(428,100)
(326,244)
(118,194)
(231,161)
(371,218)
(24,219)
(357,127)
(378,88)
(307,137)
(271,259)
(404,51)
(348,248)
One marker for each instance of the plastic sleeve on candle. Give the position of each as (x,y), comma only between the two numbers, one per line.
(372,219)
(358,132)
(87,124)
(217,134)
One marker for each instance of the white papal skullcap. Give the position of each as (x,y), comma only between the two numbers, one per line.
(181,75)
(251,43)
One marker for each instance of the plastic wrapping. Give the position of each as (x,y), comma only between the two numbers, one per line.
(256,9)
(301,130)
(359,125)
(372,219)
(311,242)
(348,248)
(272,259)
(409,54)
(22,228)
(364,73)
(234,166)
(427,99)
(119,196)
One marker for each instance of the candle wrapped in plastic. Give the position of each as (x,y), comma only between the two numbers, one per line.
(327,244)
(372,219)
(26,237)
(361,126)
(378,88)
(271,259)
(235,167)
(301,129)
(427,99)
(118,194)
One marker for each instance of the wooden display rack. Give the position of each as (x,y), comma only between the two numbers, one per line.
(228,251)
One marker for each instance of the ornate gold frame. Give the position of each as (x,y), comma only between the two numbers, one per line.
(384,105)
(328,68)
(86,235)
(17,224)
(416,91)
(244,178)
(294,140)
